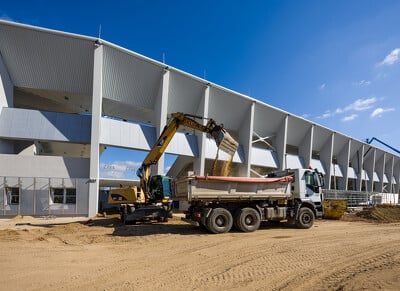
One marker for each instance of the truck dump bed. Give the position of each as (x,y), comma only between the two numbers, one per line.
(231,188)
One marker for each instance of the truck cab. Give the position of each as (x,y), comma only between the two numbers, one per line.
(307,188)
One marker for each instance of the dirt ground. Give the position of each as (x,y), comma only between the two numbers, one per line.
(71,254)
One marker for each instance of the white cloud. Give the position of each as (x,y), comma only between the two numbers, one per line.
(391,58)
(361,104)
(112,175)
(327,114)
(322,86)
(339,110)
(349,118)
(119,169)
(358,105)
(362,83)
(379,111)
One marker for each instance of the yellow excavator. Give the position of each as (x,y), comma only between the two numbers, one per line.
(153,198)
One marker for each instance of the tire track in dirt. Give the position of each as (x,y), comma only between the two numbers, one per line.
(181,258)
(337,269)
(380,261)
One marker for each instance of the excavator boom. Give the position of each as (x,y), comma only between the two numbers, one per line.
(222,138)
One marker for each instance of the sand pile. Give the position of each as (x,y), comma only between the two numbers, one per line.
(381,213)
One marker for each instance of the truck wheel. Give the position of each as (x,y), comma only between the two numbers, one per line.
(247,219)
(306,218)
(219,221)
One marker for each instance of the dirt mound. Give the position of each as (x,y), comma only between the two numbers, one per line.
(381,213)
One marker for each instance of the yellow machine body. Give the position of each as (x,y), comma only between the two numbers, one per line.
(126,195)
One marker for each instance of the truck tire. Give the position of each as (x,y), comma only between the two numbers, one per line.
(306,218)
(219,221)
(247,219)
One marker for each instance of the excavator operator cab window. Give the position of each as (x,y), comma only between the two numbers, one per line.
(160,187)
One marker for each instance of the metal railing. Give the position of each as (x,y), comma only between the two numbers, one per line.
(354,198)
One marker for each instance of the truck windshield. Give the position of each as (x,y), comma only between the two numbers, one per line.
(312,181)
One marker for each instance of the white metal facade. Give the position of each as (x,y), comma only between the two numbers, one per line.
(64,97)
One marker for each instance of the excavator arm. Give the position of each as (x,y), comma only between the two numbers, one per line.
(222,138)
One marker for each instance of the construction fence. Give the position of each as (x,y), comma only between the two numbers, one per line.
(43,196)
(360,198)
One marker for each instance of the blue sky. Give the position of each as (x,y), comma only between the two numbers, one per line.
(336,63)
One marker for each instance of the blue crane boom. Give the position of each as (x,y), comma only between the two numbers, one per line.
(369,141)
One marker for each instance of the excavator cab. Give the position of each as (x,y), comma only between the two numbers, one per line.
(160,188)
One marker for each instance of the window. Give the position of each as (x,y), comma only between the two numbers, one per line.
(58,195)
(63,195)
(70,196)
(12,194)
(312,181)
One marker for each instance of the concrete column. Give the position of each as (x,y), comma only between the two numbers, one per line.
(380,170)
(360,167)
(96,130)
(389,170)
(343,161)
(306,146)
(6,100)
(369,167)
(246,140)
(281,140)
(161,112)
(396,175)
(200,162)
(326,156)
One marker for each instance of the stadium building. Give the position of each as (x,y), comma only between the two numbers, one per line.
(65,97)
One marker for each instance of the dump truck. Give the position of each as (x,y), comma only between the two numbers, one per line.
(152,199)
(220,203)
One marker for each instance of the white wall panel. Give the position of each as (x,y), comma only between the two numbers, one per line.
(352,174)
(125,134)
(18,123)
(336,171)
(228,108)
(365,175)
(130,80)
(376,177)
(135,136)
(264,158)
(44,59)
(185,94)
(294,162)
(43,166)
